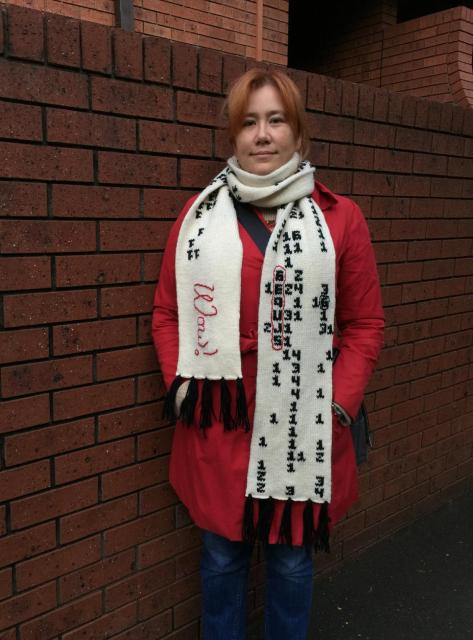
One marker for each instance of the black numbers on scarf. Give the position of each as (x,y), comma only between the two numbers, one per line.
(319,452)
(273,419)
(262,442)
(290,491)
(261,477)
(319,486)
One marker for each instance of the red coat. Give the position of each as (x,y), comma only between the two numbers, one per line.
(208,472)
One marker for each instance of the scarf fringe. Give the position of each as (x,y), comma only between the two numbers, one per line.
(186,414)
(242,407)
(169,411)
(226,407)
(206,409)
(318,538)
(265,518)
(189,403)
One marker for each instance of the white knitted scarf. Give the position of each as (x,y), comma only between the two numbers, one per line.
(292,432)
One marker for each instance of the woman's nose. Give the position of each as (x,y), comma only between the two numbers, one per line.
(262,130)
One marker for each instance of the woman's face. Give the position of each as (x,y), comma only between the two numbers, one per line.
(266,141)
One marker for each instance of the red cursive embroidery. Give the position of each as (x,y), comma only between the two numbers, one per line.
(203,300)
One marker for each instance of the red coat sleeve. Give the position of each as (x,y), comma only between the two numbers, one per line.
(164,325)
(359,315)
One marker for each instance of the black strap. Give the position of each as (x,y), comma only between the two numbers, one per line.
(252,223)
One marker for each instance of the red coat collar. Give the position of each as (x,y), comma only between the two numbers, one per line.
(324,197)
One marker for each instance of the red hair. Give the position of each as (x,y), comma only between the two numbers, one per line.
(238,97)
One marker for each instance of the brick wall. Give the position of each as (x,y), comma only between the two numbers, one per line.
(224,25)
(428,57)
(98,154)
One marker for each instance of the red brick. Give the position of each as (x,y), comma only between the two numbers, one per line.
(63,619)
(210,71)
(404,272)
(168,546)
(97,575)
(349,99)
(130,236)
(20,121)
(23,413)
(96,47)
(2,43)
(381,135)
(45,163)
(152,266)
(373,183)
(90,129)
(136,586)
(150,388)
(412,186)
(455,248)
(331,128)
(26,544)
(233,68)
(157,54)
(92,399)
(98,518)
(119,96)
(164,203)
(424,249)
(413,139)
(316,92)
(198,173)
(133,478)
(450,145)
(127,168)
(162,137)
(25,33)
(128,54)
(393,161)
(47,236)
(53,503)
(135,420)
(138,531)
(63,40)
(17,274)
(24,379)
(27,344)
(43,308)
(91,336)
(74,271)
(94,202)
(33,83)
(111,623)
(333,95)
(446,187)
(24,480)
(156,443)
(56,563)
(144,329)
(23,199)
(93,460)
(27,605)
(126,362)
(462,167)
(348,156)
(42,443)
(157,497)
(429,163)
(184,65)
(431,308)
(122,301)
(6,584)
(199,109)
(187,611)
(170,595)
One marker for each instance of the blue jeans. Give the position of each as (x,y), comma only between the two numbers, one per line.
(224,574)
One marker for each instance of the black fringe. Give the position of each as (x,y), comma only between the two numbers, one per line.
(322,535)
(285,530)
(186,415)
(226,406)
(242,419)
(169,412)
(249,531)
(265,519)
(206,409)
(308,523)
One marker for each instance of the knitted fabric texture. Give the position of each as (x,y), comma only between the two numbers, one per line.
(291,442)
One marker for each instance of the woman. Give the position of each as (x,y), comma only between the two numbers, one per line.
(244,336)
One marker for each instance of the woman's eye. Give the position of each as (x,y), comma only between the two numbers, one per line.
(248,123)
(276,119)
